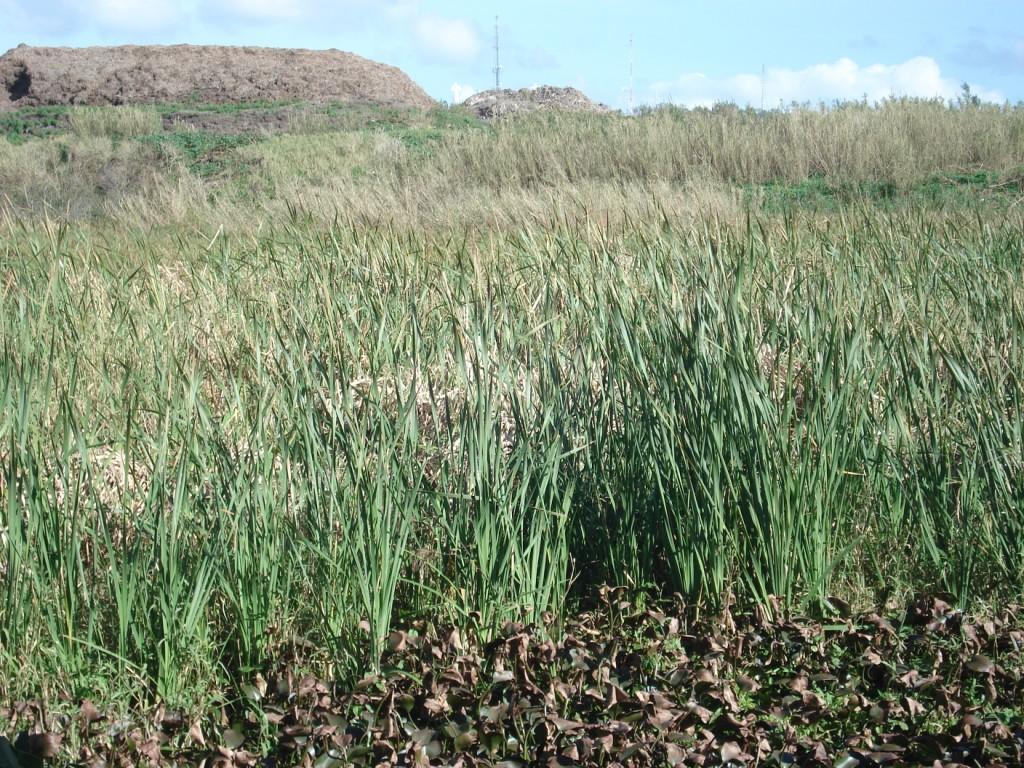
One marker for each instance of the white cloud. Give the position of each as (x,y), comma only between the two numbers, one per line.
(454,40)
(279,10)
(402,10)
(842,80)
(136,14)
(461,92)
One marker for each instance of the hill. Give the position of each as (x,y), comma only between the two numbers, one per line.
(32,77)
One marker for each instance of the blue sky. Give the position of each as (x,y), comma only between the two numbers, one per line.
(688,51)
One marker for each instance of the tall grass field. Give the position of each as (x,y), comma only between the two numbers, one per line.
(270,397)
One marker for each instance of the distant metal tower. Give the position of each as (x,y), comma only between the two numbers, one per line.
(497,57)
(762,87)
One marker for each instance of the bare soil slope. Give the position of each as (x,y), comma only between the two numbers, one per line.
(31,77)
(489,104)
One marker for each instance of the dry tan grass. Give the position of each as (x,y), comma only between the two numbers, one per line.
(122,122)
(527,171)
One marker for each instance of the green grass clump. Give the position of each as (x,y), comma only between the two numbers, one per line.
(20,125)
(205,154)
(954,189)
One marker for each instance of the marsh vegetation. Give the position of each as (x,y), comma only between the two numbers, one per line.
(272,402)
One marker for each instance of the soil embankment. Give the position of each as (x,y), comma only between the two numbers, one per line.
(504,102)
(184,74)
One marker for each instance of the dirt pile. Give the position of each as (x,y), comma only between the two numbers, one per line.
(32,77)
(500,103)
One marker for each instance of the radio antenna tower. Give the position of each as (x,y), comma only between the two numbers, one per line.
(497,57)
(630,94)
(762,87)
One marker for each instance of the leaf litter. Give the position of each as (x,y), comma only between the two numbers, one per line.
(628,683)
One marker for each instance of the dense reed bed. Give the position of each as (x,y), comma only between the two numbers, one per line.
(246,431)
(317,434)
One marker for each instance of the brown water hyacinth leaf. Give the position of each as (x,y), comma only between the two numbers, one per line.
(452,676)
(731,752)
(611,691)
(435,707)
(232,739)
(565,726)
(706,676)
(981,664)
(702,714)
(991,694)
(151,750)
(798,684)
(880,623)
(170,721)
(560,761)
(880,758)
(38,746)
(748,684)
(728,697)
(675,754)
(631,752)
(195,734)
(88,713)
(465,741)
(503,676)
(913,706)
(454,640)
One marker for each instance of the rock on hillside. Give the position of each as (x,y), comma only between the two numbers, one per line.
(31,77)
(499,103)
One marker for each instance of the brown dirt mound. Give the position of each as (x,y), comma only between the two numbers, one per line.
(502,103)
(31,77)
